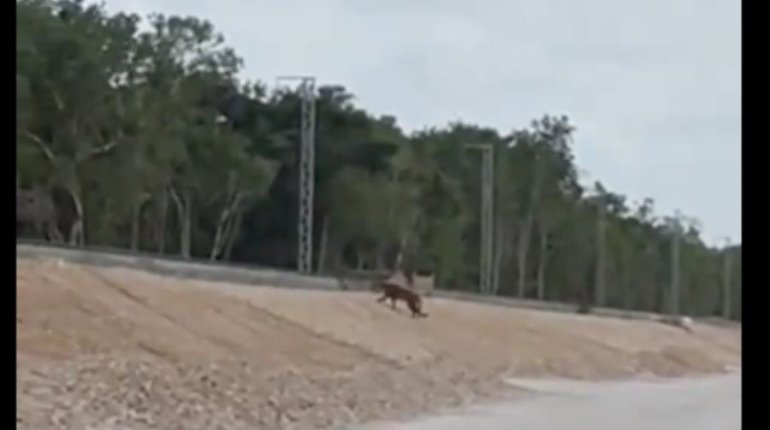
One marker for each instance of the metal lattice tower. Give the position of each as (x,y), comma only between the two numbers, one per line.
(486,263)
(306,173)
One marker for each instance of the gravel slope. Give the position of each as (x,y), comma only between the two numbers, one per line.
(115,348)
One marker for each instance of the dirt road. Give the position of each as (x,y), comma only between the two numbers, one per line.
(712,403)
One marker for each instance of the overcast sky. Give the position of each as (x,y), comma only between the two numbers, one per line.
(653,86)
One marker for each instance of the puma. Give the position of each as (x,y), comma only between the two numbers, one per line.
(396,292)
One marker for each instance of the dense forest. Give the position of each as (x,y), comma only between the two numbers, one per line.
(148,138)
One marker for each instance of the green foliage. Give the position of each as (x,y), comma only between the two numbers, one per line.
(159,146)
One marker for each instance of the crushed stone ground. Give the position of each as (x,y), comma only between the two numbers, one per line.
(102,348)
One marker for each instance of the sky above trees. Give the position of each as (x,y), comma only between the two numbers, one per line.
(653,87)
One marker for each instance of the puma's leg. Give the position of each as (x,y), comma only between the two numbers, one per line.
(415,310)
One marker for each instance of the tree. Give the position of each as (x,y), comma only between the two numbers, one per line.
(150,140)
(69,56)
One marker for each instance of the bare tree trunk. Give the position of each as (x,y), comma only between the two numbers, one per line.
(399,264)
(323,248)
(187,227)
(161,237)
(509,246)
(624,276)
(522,254)
(600,274)
(235,230)
(526,231)
(224,216)
(232,229)
(232,208)
(542,262)
(38,230)
(53,232)
(217,246)
(183,206)
(77,236)
(179,212)
(379,258)
(136,221)
(68,169)
(135,228)
(625,279)
(223,227)
(498,257)
(338,260)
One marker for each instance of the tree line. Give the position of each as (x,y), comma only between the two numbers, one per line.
(145,137)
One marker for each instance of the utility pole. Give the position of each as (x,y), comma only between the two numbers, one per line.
(486,263)
(727,281)
(601,237)
(306,172)
(675,266)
